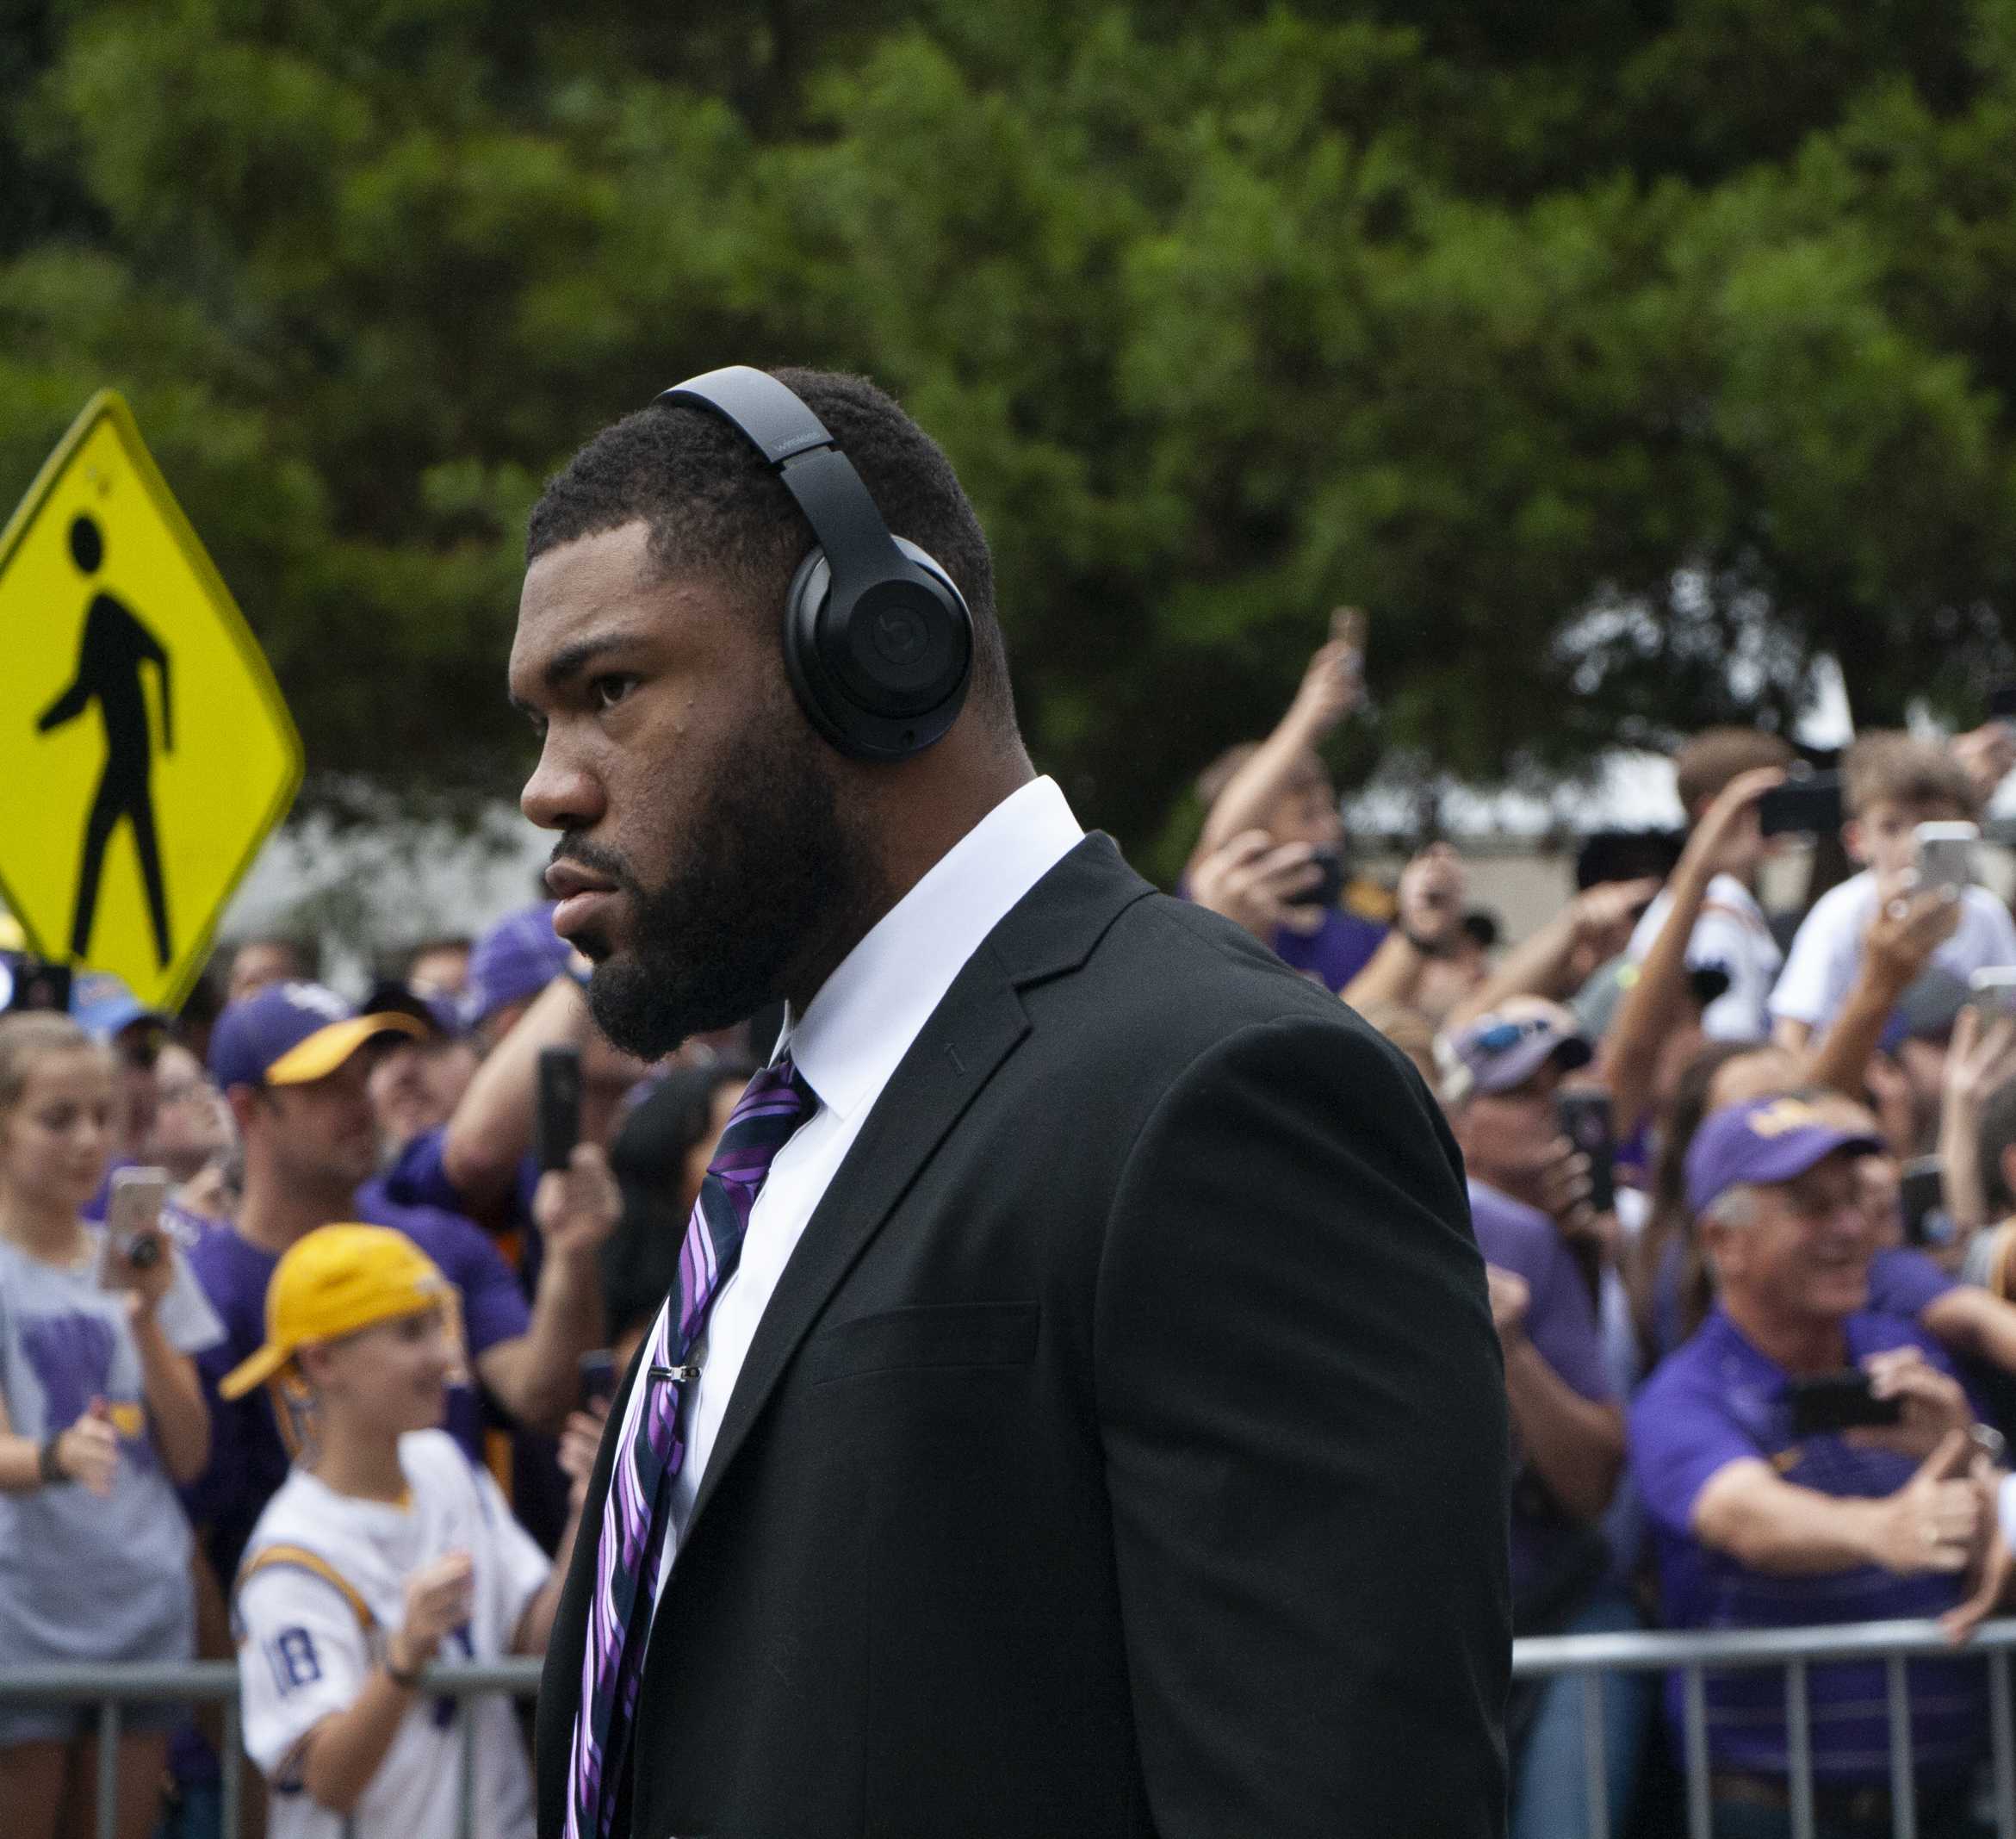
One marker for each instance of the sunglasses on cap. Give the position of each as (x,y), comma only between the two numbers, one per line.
(1501,1037)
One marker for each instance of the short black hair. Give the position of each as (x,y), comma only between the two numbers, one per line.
(713,505)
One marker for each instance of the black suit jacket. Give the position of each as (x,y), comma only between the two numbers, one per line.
(1123,1448)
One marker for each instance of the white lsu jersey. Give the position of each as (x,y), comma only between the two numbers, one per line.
(321,1589)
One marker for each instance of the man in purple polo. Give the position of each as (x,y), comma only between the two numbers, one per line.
(1763,1521)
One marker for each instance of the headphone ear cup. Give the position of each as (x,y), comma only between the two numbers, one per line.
(884,675)
(803,604)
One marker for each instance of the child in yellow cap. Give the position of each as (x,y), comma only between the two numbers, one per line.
(385,1549)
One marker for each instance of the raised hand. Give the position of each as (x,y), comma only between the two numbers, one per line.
(1728,813)
(580,1441)
(1981,1059)
(438,1597)
(1253,881)
(1431,892)
(577,1207)
(1331,688)
(1986,754)
(1601,918)
(1933,1403)
(143,1268)
(1906,928)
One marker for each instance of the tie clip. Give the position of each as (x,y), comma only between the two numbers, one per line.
(675,1373)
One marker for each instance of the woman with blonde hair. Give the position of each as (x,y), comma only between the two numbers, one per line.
(100,1417)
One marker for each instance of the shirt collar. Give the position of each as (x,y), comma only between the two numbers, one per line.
(861,1023)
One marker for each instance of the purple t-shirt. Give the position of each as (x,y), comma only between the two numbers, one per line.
(1561,1322)
(419,1177)
(1335,953)
(1905,1282)
(1719,1400)
(248,1460)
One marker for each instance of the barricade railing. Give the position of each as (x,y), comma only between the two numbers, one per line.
(1695,1656)
(1589,1657)
(215,1682)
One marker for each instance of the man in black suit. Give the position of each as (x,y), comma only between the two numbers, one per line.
(1102,1431)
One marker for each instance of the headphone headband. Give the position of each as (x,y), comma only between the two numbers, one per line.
(775,419)
(807,458)
(876,638)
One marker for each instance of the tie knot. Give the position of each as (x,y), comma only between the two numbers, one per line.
(780,1082)
(773,1106)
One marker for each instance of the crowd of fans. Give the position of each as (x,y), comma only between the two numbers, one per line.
(143,1474)
(1744,1182)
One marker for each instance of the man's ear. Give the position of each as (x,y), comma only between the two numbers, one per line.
(1722,1247)
(314,1364)
(244,1101)
(1852,841)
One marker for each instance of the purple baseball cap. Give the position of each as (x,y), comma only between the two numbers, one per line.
(1505,1048)
(514,961)
(292,1033)
(1763,1141)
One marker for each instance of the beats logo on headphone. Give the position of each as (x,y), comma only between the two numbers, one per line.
(878,640)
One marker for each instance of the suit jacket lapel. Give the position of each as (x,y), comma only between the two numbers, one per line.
(1052,929)
(957,1054)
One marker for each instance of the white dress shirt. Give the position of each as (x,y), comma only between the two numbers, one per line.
(849,1041)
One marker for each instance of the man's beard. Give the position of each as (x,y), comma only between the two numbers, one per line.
(769,867)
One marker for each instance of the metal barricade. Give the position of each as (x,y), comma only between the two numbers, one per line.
(215,1682)
(1796,1651)
(1587,1656)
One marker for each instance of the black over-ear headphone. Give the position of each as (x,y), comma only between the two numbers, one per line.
(877,639)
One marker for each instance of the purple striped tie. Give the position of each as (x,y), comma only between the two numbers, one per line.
(638,1509)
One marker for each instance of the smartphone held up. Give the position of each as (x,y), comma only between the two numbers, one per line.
(556,1120)
(1807,804)
(133,1216)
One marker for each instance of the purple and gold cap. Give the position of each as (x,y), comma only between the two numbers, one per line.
(292,1033)
(1763,1141)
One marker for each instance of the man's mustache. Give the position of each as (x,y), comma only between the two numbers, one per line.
(597,861)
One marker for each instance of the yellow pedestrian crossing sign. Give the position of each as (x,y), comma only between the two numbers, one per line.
(145,751)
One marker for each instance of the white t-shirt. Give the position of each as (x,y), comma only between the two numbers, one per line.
(1821,966)
(1731,934)
(320,1565)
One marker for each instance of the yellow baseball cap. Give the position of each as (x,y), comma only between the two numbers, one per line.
(333,1282)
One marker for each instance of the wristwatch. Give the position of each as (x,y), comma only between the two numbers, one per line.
(46,1464)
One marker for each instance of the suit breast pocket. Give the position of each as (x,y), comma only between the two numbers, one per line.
(952,1334)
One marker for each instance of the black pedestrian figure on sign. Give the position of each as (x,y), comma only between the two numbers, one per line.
(109,659)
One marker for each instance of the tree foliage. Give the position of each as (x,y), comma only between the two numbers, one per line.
(1619,357)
